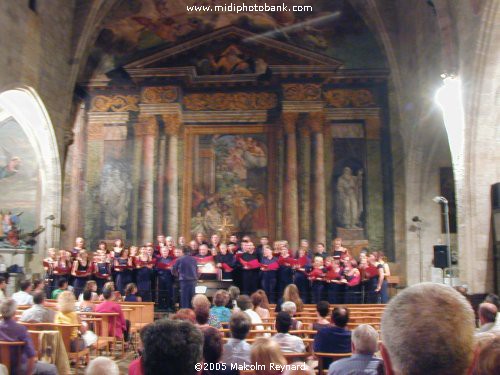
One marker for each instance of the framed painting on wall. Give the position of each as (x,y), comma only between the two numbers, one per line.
(229,179)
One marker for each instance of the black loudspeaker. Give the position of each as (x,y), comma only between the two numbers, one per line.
(441,256)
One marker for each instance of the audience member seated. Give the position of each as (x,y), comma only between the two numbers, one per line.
(12,331)
(201,308)
(185,314)
(257,300)
(66,315)
(24,297)
(91,286)
(291,293)
(427,329)
(265,352)
(120,328)
(322,311)
(219,310)
(487,313)
(245,304)
(487,361)
(62,285)
(131,293)
(237,350)
(38,286)
(102,366)
(336,338)
(170,347)
(363,362)
(86,305)
(212,352)
(38,313)
(234,293)
(491,298)
(116,294)
(291,309)
(287,342)
(3,286)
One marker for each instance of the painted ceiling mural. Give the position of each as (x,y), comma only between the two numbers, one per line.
(136,28)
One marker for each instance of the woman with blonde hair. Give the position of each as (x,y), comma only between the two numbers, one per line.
(265,352)
(66,315)
(201,307)
(291,293)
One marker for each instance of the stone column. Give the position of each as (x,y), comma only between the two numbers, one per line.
(304,182)
(147,128)
(172,127)
(290,201)
(315,122)
(160,185)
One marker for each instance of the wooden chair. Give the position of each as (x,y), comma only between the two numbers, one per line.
(332,356)
(296,357)
(106,329)
(6,349)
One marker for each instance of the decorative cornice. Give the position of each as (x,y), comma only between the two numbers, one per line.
(351,113)
(115,103)
(108,117)
(160,108)
(258,116)
(346,98)
(163,94)
(302,106)
(230,101)
(302,92)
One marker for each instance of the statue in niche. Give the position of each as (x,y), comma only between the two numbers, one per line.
(115,197)
(350,199)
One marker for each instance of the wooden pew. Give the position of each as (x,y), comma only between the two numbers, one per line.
(5,353)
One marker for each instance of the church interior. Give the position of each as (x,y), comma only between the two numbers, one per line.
(373,121)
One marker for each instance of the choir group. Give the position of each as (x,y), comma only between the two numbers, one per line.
(319,274)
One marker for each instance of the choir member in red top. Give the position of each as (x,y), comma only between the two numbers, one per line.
(225,262)
(338,249)
(375,275)
(144,264)
(81,270)
(62,267)
(268,267)
(317,278)
(352,280)
(214,244)
(203,256)
(79,245)
(302,266)
(334,285)
(49,264)
(160,242)
(166,280)
(250,268)
(101,270)
(285,272)
(122,266)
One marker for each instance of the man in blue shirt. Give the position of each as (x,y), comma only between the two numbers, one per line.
(334,339)
(362,362)
(186,269)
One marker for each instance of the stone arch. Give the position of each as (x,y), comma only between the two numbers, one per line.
(25,106)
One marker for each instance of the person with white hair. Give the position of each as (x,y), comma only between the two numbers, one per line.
(427,329)
(102,366)
(10,330)
(291,308)
(364,342)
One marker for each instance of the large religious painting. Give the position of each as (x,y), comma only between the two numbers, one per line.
(19,184)
(227,181)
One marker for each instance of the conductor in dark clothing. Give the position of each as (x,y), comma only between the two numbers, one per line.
(186,269)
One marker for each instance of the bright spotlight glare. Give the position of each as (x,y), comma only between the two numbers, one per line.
(449,99)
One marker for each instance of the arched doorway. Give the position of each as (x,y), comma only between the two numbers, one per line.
(27,125)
